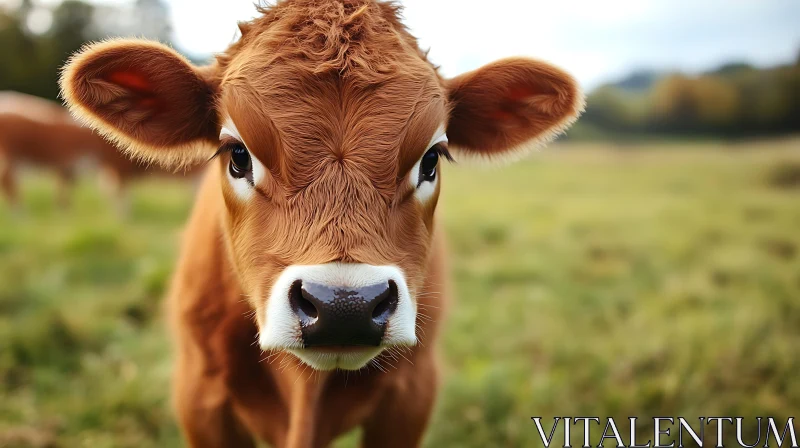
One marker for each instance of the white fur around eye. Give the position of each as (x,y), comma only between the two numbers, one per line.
(242,187)
(426,189)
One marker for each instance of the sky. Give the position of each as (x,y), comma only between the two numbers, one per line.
(595,40)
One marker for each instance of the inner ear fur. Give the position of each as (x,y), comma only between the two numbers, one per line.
(510,107)
(147,98)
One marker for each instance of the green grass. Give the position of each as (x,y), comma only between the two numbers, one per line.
(591,281)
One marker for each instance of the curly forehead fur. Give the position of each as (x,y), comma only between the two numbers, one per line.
(355,38)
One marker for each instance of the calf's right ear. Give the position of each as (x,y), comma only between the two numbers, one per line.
(147,98)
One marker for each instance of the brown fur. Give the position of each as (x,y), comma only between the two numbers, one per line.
(337,100)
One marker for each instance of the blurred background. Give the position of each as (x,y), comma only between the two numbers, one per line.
(646,264)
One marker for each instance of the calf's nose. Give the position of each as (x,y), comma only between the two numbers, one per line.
(343,316)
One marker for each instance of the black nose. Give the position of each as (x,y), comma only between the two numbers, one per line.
(341,315)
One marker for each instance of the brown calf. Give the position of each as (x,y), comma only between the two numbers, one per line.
(314,237)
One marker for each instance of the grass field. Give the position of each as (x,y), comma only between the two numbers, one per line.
(591,280)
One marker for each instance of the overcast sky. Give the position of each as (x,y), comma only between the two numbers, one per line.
(596,40)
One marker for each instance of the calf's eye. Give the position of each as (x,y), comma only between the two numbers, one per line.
(240,162)
(427,166)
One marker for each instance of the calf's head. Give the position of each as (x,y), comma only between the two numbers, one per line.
(329,128)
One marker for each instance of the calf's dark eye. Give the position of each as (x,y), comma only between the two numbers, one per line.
(240,162)
(427,167)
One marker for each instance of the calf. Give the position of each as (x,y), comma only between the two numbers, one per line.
(313,241)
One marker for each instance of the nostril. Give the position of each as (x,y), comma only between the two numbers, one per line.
(386,304)
(301,304)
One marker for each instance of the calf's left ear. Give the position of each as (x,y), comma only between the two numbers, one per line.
(509,107)
(145,97)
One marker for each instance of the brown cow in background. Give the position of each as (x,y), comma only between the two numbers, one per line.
(42,133)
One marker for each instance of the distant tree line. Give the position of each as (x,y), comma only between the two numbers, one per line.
(36,39)
(736,100)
